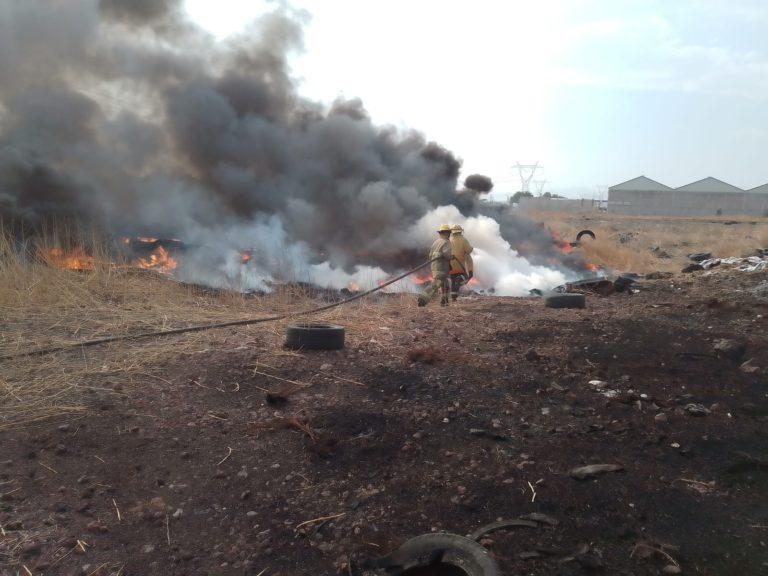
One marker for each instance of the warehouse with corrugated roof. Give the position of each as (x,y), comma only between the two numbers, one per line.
(642,196)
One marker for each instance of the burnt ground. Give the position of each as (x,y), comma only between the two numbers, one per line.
(206,478)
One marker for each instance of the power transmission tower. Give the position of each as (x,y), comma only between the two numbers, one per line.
(527,172)
(539,186)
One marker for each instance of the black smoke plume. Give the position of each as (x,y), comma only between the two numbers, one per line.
(126,113)
(478,183)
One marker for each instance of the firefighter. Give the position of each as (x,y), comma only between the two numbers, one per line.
(462,268)
(440,252)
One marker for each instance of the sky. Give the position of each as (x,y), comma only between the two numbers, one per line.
(596,91)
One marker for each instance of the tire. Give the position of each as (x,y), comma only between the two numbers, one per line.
(459,552)
(565,301)
(314,337)
(700,256)
(585,233)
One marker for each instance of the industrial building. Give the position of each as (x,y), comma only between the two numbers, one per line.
(642,196)
(542,204)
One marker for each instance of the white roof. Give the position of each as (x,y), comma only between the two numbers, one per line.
(709,185)
(641,183)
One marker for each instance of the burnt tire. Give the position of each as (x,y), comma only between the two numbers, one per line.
(583,233)
(565,301)
(314,337)
(459,552)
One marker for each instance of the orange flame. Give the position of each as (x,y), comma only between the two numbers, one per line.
(421,278)
(353,287)
(160,261)
(76,259)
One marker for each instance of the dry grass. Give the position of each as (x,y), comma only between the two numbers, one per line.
(625,243)
(42,305)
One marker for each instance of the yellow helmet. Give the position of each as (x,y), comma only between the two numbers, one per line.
(457,229)
(444,228)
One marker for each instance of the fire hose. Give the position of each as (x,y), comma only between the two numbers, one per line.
(246,322)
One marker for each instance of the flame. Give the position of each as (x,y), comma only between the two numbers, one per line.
(421,278)
(160,261)
(353,287)
(246,256)
(592,267)
(75,259)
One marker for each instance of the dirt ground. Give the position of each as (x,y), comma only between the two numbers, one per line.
(189,470)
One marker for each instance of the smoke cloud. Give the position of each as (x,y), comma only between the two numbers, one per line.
(125,113)
(478,183)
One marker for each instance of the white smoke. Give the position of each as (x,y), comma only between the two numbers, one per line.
(259,255)
(215,258)
(497,264)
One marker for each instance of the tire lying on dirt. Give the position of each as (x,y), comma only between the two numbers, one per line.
(440,550)
(314,337)
(565,301)
(583,233)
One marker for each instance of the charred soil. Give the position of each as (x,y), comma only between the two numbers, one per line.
(193,472)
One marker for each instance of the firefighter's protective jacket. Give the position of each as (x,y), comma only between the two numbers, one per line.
(460,250)
(441,249)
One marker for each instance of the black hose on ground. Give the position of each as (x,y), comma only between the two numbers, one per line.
(246,322)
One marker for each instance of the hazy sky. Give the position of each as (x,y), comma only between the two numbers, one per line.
(598,91)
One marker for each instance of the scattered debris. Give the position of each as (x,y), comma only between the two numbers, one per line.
(698,486)
(644,549)
(730,349)
(697,410)
(711,263)
(528,555)
(749,368)
(659,252)
(320,519)
(503,525)
(483,433)
(532,355)
(229,453)
(748,264)
(624,281)
(601,387)
(436,549)
(700,256)
(593,470)
(692,268)
(541,518)
(599,285)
